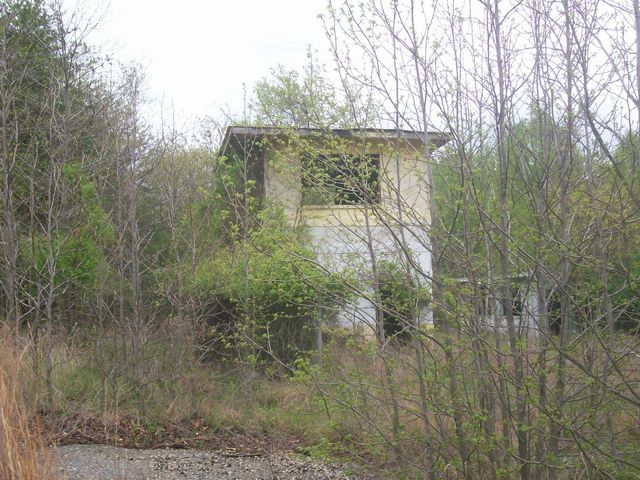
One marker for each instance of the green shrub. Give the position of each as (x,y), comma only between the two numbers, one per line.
(261,292)
(400,298)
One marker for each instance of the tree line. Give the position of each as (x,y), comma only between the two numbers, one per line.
(108,226)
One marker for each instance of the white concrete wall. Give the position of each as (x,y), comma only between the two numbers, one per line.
(346,247)
(339,233)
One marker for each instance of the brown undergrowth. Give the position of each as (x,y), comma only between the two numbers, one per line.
(344,409)
(23,451)
(182,401)
(127,431)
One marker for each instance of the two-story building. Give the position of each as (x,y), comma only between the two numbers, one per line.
(362,194)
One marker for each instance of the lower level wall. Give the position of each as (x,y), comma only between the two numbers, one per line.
(354,248)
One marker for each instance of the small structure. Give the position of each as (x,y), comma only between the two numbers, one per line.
(536,308)
(362,194)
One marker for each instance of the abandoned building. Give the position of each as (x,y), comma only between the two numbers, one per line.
(535,308)
(362,194)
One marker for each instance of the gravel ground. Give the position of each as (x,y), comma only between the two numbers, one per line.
(102,462)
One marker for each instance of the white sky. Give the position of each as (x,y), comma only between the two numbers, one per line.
(198,53)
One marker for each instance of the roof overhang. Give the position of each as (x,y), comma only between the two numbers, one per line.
(236,137)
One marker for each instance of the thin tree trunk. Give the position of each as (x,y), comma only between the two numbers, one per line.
(565,157)
(504,247)
(9,231)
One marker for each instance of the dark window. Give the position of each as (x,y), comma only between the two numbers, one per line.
(341,180)
(518,304)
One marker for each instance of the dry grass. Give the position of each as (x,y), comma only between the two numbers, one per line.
(359,394)
(23,454)
(96,399)
(190,402)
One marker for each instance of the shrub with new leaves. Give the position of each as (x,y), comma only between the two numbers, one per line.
(262,292)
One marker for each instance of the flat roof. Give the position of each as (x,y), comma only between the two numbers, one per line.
(243,133)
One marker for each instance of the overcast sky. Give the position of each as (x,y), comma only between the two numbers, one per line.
(198,53)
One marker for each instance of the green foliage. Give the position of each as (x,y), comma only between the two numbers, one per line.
(627,158)
(77,256)
(531,196)
(323,449)
(269,285)
(400,296)
(58,143)
(288,98)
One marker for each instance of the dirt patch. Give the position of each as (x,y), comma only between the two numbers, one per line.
(102,462)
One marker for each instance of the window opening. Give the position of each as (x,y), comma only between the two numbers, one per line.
(341,180)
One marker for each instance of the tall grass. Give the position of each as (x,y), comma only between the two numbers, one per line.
(23,453)
(98,398)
